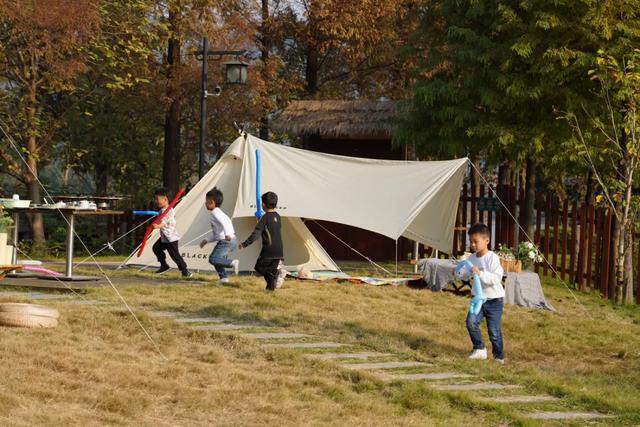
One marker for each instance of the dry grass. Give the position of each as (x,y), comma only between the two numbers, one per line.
(98,368)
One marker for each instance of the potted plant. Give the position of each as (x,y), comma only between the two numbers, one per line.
(528,254)
(5,224)
(508,260)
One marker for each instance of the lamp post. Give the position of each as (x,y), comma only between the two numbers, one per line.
(235,73)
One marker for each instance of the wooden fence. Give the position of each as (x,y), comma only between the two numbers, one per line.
(575,239)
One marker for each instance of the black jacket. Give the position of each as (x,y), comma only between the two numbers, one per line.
(270,229)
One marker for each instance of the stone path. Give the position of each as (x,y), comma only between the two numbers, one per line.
(385,370)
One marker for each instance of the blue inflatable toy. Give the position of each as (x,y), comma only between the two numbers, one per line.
(259,211)
(145,213)
(463,272)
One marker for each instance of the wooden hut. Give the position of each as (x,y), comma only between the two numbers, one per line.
(359,128)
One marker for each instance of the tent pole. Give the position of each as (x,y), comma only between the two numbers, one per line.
(416,248)
(396,258)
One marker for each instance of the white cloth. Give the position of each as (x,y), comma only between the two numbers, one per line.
(221,225)
(490,274)
(168,232)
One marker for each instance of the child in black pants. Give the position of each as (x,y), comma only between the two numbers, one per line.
(270,229)
(169,237)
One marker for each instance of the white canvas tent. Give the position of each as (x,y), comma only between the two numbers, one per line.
(417,200)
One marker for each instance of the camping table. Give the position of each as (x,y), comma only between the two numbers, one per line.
(69,213)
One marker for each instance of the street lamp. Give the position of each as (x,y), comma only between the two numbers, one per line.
(235,73)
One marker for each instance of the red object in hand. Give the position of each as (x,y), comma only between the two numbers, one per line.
(157,220)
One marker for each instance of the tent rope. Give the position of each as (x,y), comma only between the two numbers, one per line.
(529,239)
(354,249)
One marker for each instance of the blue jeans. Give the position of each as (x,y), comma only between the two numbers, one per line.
(492,310)
(218,257)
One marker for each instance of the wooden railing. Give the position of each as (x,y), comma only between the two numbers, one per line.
(575,239)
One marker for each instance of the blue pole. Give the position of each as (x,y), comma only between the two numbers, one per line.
(259,211)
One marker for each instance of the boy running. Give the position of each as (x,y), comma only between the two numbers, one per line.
(169,237)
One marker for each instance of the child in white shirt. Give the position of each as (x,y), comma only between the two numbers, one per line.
(486,265)
(223,233)
(169,237)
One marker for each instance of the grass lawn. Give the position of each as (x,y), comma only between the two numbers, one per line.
(98,368)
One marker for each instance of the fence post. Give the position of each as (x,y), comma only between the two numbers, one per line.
(565,237)
(591,222)
(556,228)
(538,210)
(574,241)
(547,224)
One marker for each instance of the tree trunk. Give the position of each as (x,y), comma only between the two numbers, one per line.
(628,268)
(312,71)
(37,225)
(529,217)
(171,158)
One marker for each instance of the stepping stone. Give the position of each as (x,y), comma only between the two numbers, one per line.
(521,399)
(473,387)
(225,327)
(332,356)
(420,376)
(47,296)
(201,320)
(565,415)
(164,313)
(382,365)
(294,345)
(273,335)
(14,294)
(86,302)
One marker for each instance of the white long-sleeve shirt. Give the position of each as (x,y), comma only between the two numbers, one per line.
(490,274)
(221,226)
(168,231)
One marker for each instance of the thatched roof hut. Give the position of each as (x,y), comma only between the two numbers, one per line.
(338,119)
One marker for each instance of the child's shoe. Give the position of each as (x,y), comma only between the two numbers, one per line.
(162,269)
(224,280)
(500,361)
(187,274)
(478,354)
(235,264)
(282,274)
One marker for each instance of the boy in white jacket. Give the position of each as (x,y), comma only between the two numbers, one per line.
(486,265)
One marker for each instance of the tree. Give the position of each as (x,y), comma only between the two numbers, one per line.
(612,137)
(42,51)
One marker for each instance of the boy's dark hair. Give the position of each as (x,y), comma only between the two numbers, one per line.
(479,229)
(161,191)
(215,195)
(270,199)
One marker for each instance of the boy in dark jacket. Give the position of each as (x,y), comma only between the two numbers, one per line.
(270,229)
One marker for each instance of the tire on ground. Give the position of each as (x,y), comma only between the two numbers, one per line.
(29,309)
(27,321)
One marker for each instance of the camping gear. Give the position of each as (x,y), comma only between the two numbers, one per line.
(417,200)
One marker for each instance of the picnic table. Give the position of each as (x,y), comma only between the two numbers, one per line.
(69,213)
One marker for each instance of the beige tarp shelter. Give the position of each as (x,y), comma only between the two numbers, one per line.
(417,200)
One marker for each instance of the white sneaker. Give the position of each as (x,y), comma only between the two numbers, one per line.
(500,361)
(282,273)
(226,280)
(235,264)
(478,354)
